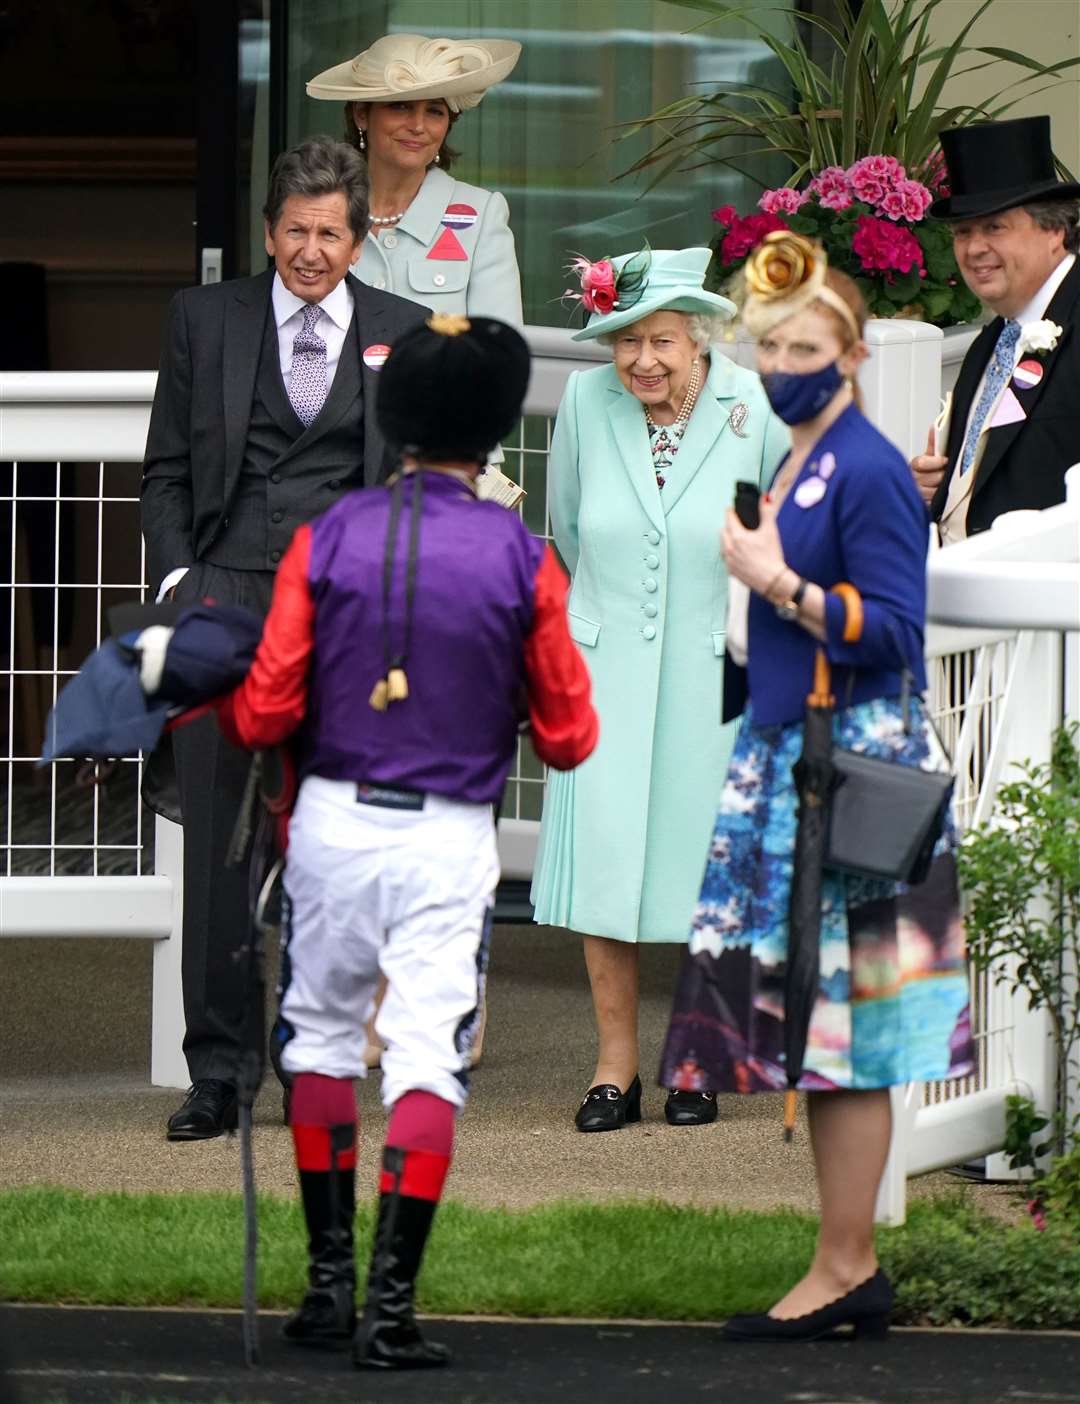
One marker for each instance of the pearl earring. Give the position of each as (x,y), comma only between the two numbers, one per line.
(361,139)
(436,158)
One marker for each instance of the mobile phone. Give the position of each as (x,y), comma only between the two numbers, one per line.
(747,499)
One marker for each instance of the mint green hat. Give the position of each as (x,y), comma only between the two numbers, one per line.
(673,282)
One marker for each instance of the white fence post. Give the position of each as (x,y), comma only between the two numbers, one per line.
(167,1065)
(891,1207)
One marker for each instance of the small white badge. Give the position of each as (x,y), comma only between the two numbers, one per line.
(809,492)
(740,413)
(827,466)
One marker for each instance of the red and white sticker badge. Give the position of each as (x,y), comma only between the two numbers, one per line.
(1027,374)
(459,216)
(375,356)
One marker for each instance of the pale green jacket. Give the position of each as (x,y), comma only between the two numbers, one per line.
(460,262)
(624,836)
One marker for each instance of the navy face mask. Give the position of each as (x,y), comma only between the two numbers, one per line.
(797,398)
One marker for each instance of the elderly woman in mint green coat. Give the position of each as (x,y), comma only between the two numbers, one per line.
(643,466)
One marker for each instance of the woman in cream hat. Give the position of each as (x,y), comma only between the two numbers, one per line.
(431,238)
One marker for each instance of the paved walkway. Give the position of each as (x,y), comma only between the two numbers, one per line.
(76,1108)
(90,1356)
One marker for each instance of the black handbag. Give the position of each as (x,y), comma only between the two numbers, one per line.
(885,818)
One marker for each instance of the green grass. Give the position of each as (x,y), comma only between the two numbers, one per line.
(950,1263)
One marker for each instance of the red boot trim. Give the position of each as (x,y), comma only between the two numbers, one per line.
(422,1177)
(312,1147)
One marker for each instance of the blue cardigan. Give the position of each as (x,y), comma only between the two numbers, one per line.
(867,526)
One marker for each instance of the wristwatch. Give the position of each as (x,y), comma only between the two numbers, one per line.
(789,610)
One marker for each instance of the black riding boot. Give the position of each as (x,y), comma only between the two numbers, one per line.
(388,1337)
(327,1316)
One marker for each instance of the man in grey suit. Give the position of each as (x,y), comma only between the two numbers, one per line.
(263,417)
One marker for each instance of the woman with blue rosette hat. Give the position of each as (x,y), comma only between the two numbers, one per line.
(644,459)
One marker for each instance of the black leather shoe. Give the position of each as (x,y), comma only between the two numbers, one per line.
(605,1108)
(209,1110)
(690,1108)
(865,1308)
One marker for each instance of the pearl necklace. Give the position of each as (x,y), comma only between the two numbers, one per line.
(693,385)
(386,219)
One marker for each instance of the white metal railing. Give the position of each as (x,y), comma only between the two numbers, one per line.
(50,421)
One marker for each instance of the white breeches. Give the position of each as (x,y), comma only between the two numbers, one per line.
(405,892)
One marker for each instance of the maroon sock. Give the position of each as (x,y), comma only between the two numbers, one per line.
(321,1104)
(422,1125)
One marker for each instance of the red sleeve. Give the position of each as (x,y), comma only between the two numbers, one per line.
(564,724)
(269,704)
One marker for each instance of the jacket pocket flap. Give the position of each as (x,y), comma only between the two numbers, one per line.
(582,630)
(436,277)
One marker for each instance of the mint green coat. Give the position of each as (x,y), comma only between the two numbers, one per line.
(444,261)
(624,837)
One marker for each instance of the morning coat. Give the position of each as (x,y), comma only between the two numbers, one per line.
(1022,463)
(624,837)
(452,250)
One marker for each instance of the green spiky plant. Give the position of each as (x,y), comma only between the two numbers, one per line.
(876,91)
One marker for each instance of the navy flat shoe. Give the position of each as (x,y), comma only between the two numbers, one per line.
(865,1308)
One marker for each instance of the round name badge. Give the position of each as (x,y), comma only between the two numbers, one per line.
(375,356)
(1027,374)
(459,216)
(809,492)
(827,466)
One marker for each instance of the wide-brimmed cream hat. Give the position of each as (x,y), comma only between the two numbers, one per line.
(410,66)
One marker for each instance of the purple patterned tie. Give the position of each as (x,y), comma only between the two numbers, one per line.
(307,383)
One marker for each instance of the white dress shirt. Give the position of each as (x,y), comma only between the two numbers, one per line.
(288,311)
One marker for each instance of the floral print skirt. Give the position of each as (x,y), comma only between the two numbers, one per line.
(892,1004)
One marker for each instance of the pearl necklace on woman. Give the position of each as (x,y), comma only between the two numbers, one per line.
(664,439)
(385,219)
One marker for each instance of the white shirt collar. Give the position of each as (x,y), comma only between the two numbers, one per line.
(337,304)
(1035,311)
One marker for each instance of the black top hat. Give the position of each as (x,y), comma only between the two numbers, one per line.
(453,386)
(998,165)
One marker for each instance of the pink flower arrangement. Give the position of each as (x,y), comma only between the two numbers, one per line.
(871,219)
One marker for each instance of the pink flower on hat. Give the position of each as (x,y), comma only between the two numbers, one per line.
(597,283)
(726,214)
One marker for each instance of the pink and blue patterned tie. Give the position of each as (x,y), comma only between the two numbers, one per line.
(1000,369)
(307,382)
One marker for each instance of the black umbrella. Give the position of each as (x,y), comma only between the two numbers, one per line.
(813,773)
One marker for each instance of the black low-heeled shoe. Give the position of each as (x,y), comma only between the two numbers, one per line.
(605,1108)
(865,1308)
(690,1108)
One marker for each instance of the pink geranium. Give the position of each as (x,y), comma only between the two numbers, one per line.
(916,197)
(882,247)
(726,214)
(745,234)
(831,188)
(786,200)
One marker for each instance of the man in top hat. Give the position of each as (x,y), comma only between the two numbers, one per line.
(1012,424)
(263,416)
(409,625)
